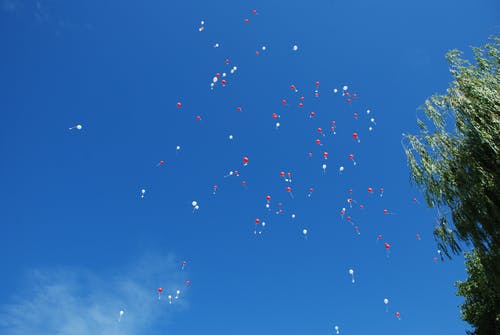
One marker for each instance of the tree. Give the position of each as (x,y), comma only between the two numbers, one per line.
(480,290)
(455,161)
(458,167)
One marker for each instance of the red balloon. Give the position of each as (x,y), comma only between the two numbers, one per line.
(283,102)
(223,82)
(370,190)
(268,197)
(379,237)
(301,104)
(257,221)
(320,130)
(386,211)
(292,87)
(387,245)
(289,189)
(179,104)
(275,116)
(245,160)
(198,118)
(188,282)
(160,290)
(312,114)
(254,12)
(325,154)
(246,20)
(355,136)
(282,174)
(397,314)
(184,262)
(318,141)
(302,98)
(351,156)
(238,109)
(317,83)
(227,61)
(162,162)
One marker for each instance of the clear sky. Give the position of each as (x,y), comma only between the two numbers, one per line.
(79,243)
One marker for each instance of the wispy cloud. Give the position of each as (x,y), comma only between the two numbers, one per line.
(81,302)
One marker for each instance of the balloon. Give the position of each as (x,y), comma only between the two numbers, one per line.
(386,211)
(187,283)
(160,289)
(301,104)
(337,331)
(387,245)
(397,314)
(289,189)
(247,20)
(194,203)
(325,154)
(386,301)
(257,221)
(295,47)
(78,126)
(275,116)
(355,136)
(268,198)
(179,104)
(317,83)
(143,192)
(351,273)
(231,137)
(370,190)
(312,114)
(120,314)
(245,160)
(283,102)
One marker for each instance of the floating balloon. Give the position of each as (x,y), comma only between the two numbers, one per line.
(386,303)
(160,290)
(143,192)
(337,331)
(245,161)
(295,47)
(179,104)
(78,127)
(183,264)
(398,315)
(120,315)
(351,273)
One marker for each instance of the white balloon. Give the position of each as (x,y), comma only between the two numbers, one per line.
(345,88)
(335,90)
(293,216)
(216,45)
(214,80)
(194,203)
(386,301)
(304,231)
(122,312)
(341,169)
(143,191)
(79,126)
(368,111)
(324,166)
(263,224)
(351,272)
(295,47)
(196,207)
(178,147)
(231,137)
(224,74)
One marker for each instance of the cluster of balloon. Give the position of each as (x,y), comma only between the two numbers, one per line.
(323,135)
(195,206)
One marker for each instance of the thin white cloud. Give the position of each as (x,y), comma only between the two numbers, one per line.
(80,302)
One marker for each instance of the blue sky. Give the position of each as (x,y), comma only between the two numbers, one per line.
(76,236)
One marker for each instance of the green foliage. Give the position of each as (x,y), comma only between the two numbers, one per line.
(455,161)
(455,157)
(480,290)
